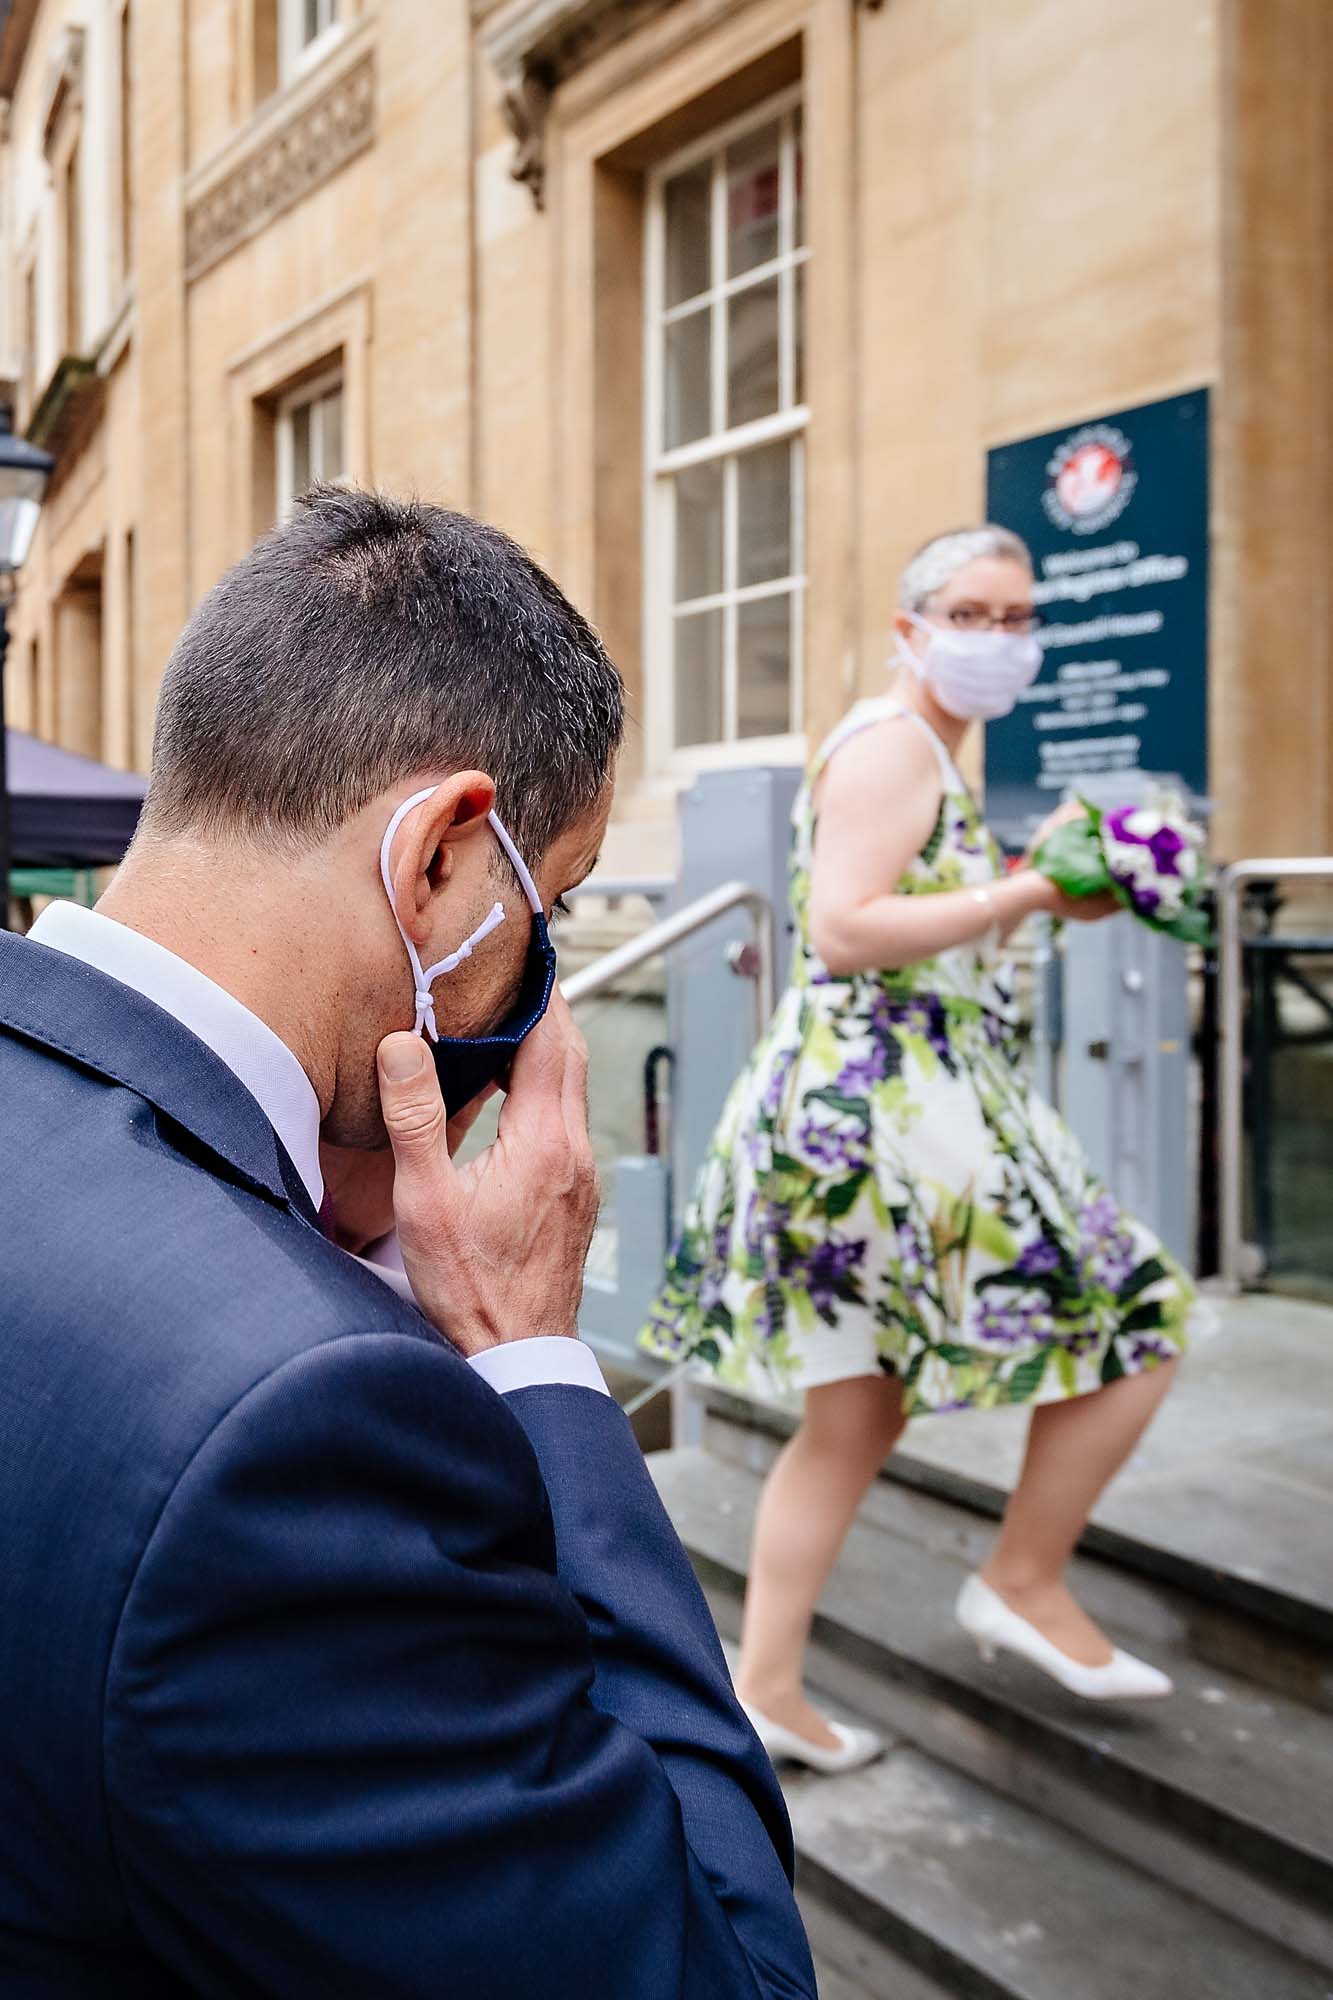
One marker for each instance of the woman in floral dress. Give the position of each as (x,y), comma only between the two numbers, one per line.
(888,1219)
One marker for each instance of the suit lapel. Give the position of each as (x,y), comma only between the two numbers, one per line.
(84,1017)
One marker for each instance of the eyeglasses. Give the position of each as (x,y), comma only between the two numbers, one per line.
(1019,618)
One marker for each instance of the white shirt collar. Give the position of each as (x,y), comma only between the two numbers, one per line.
(249,1048)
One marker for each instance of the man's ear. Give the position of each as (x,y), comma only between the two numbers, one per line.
(421,856)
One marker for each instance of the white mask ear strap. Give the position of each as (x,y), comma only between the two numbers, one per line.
(906,656)
(425,1015)
(519,866)
(425,977)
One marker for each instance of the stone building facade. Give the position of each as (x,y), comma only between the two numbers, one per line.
(715,304)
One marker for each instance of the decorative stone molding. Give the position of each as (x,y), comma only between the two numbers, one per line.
(534,45)
(65,400)
(62,90)
(281,162)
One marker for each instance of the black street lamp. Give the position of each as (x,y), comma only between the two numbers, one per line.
(24,471)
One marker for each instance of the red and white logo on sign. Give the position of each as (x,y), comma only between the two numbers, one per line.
(1090,479)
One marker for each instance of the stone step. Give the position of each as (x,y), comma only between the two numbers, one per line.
(1222,1791)
(1231,1536)
(951,1888)
(1155,1601)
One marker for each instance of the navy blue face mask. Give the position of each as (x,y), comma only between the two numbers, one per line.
(468,1064)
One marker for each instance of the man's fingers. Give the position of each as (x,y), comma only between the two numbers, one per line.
(574,1086)
(413,1108)
(458,1127)
(537,1078)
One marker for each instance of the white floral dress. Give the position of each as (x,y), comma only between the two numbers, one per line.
(885,1191)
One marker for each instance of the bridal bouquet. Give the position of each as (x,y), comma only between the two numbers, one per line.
(1150,856)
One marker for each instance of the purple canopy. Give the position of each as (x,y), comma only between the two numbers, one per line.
(67,811)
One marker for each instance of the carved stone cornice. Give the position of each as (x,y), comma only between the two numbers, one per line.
(533,45)
(283,157)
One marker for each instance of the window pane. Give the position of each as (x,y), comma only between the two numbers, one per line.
(688,233)
(765,513)
(688,350)
(752,353)
(300,449)
(798,218)
(752,200)
(330,415)
(698,638)
(316,16)
(798,359)
(698,532)
(763,666)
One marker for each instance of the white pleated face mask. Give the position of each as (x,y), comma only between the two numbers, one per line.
(976,676)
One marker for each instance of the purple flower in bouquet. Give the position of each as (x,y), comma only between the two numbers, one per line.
(1152,857)
(1148,855)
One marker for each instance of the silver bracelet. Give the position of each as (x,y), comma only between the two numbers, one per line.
(991,935)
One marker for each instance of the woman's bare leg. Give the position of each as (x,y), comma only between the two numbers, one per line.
(808,1503)
(1074,1451)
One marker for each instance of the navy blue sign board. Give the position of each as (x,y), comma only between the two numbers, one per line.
(1115,513)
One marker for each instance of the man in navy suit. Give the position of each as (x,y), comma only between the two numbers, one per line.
(344,1646)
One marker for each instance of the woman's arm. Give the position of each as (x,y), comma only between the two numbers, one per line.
(877,802)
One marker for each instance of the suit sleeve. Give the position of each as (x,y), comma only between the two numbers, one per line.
(361,1737)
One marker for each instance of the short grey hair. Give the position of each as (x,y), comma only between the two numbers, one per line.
(932,566)
(368,640)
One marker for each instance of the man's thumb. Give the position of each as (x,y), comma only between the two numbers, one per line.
(410,1099)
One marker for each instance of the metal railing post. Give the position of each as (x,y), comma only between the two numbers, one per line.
(674,930)
(1231,1017)
(607,1303)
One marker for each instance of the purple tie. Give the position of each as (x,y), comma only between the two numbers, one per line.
(326,1216)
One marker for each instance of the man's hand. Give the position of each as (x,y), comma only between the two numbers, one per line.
(359,1184)
(495,1250)
(360,1187)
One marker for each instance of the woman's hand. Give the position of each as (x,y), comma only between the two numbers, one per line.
(1052,902)
(1071,809)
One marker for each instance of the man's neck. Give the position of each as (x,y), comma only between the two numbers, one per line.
(242,921)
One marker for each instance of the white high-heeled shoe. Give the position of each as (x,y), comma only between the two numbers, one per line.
(983,1613)
(855,1746)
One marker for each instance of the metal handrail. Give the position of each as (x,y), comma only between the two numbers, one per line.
(651,887)
(682,924)
(1231,886)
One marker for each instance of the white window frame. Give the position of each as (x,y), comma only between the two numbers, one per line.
(296,56)
(791,421)
(310,392)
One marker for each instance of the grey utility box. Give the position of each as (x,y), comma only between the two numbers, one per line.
(735,826)
(1126,1032)
(1127,1069)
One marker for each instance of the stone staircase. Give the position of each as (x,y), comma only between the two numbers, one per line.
(1014,1843)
